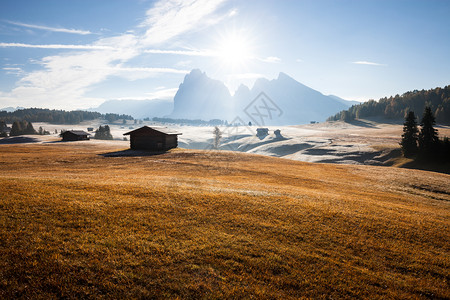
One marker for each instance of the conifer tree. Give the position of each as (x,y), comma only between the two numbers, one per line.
(103,133)
(16,129)
(409,136)
(29,129)
(428,136)
(217,137)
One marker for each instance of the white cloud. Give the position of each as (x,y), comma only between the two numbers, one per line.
(163,93)
(168,19)
(65,78)
(232,12)
(134,73)
(13,71)
(53,29)
(271,59)
(182,52)
(367,63)
(54,46)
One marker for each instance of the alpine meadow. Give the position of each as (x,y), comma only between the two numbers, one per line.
(222,149)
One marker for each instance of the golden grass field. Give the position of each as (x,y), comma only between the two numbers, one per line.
(217,224)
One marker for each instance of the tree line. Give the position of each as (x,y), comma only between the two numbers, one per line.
(424,144)
(397,107)
(58,116)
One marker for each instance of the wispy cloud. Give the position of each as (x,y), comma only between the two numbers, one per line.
(271,59)
(13,71)
(367,63)
(182,52)
(48,28)
(65,78)
(55,46)
(189,14)
(163,93)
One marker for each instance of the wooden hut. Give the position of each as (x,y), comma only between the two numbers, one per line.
(262,132)
(153,138)
(75,135)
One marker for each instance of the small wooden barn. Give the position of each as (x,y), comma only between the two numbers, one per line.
(261,132)
(153,138)
(75,135)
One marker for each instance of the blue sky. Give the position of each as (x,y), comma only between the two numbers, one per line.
(77,54)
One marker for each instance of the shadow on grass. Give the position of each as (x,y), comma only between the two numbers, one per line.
(362,123)
(132,153)
(428,166)
(18,140)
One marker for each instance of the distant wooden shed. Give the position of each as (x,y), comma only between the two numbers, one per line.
(75,135)
(261,132)
(153,138)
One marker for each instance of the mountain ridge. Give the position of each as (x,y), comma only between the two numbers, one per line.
(200,96)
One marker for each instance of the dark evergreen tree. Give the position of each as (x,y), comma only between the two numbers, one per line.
(29,129)
(103,133)
(409,136)
(428,136)
(16,129)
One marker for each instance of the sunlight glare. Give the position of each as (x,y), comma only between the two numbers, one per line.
(234,51)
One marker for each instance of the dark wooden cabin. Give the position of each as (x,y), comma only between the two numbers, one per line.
(153,138)
(75,135)
(261,132)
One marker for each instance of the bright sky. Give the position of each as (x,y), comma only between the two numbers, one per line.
(77,53)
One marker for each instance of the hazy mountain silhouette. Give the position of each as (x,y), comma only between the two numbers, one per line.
(11,109)
(298,103)
(200,97)
(138,109)
(346,102)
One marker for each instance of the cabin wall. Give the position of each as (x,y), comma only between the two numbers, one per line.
(153,140)
(171,141)
(74,137)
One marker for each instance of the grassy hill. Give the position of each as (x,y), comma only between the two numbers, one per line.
(196,224)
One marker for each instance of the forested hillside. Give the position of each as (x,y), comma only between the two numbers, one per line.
(398,106)
(57,116)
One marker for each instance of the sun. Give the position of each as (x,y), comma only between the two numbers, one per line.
(234,50)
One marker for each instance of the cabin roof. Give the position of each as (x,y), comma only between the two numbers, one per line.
(164,130)
(77,132)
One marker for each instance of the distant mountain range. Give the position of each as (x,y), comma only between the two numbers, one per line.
(139,109)
(11,109)
(282,101)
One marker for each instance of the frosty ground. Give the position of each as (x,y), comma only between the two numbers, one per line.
(362,142)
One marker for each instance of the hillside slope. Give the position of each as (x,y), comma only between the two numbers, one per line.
(76,222)
(397,107)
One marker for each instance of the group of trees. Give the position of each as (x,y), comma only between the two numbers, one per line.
(423,144)
(22,127)
(57,116)
(397,107)
(103,133)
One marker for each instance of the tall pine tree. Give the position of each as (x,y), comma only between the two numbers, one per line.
(428,136)
(409,136)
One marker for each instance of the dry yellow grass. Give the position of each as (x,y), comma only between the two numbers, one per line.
(194,224)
